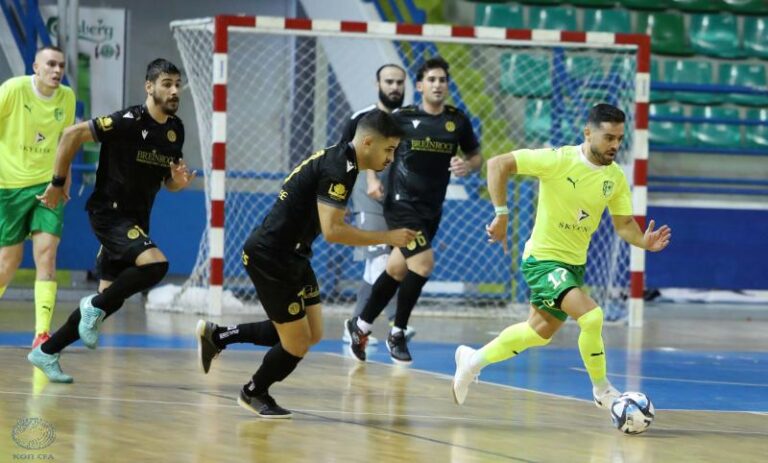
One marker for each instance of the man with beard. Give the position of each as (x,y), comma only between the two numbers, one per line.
(368,194)
(140,151)
(576,184)
(425,160)
(34,111)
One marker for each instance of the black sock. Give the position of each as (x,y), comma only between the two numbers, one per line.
(410,290)
(276,366)
(65,335)
(383,289)
(130,281)
(261,333)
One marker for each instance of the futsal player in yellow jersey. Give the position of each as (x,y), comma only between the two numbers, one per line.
(576,184)
(34,111)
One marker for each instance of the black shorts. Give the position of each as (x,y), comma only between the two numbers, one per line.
(122,239)
(401,214)
(286,286)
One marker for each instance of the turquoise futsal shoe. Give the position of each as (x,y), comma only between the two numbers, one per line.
(90,322)
(48,364)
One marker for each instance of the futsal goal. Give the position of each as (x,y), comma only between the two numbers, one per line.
(269,91)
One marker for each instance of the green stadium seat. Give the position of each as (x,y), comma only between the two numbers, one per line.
(594,3)
(691,71)
(585,68)
(553,18)
(698,5)
(538,122)
(605,20)
(713,134)
(517,71)
(745,74)
(756,36)
(667,31)
(667,133)
(658,96)
(542,2)
(716,35)
(747,6)
(509,16)
(646,4)
(757,135)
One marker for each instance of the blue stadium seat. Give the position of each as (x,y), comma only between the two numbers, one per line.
(745,74)
(667,133)
(714,134)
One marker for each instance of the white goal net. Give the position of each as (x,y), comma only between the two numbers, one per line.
(290,91)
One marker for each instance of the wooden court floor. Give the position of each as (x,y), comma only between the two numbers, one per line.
(152,404)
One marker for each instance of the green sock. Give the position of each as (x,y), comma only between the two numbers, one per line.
(510,342)
(2,290)
(45,300)
(591,345)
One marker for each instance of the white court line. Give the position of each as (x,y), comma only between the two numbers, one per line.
(548,394)
(679,380)
(390,415)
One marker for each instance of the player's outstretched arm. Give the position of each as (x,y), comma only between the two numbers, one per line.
(71,139)
(651,240)
(335,230)
(499,169)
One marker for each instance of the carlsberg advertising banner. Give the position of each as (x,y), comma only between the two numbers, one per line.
(101,57)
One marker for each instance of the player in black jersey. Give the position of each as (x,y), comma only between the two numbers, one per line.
(276,256)
(368,195)
(140,151)
(420,175)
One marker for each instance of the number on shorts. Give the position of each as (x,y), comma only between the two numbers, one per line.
(558,279)
(245,258)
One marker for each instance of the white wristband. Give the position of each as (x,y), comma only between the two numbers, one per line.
(501,210)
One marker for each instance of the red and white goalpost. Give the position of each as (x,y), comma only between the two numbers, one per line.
(268,91)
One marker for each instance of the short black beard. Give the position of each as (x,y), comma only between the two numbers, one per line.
(165,108)
(389,103)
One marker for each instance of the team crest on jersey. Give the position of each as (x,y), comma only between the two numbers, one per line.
(171,136)
(337,191)
(58,113)
(294,308)
(607,188)
(105,123)
(450,126)
(135,232)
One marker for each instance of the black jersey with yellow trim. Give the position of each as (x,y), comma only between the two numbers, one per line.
(134,161)
(420,172)
(293,223)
